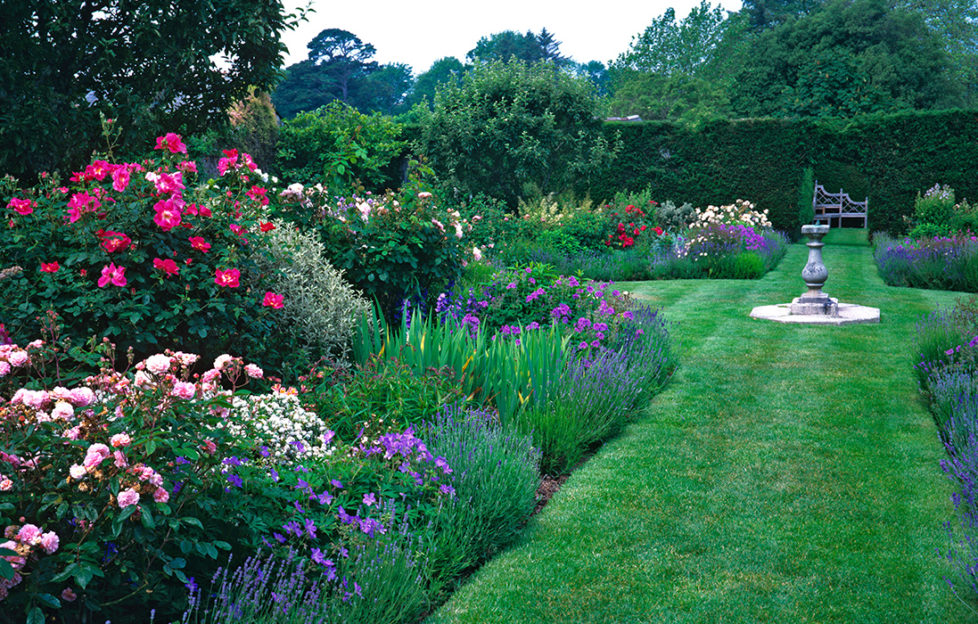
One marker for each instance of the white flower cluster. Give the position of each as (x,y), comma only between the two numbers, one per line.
(741,212)
(278,422)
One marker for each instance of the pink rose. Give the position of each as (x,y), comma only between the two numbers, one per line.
(158,364)
(112,274)
(77,472)
(120,440)
(253,371)
(82,397)
(171,142)
(128,497)
(50,542)
(28,534)
(184,390)
(161,495)
(228,278)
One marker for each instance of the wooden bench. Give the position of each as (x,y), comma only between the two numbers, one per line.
(838,206)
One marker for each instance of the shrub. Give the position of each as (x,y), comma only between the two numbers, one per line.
(933,212)
(720,251)
(134,252)
(339,146)
(949,263)
(673,218)
(117,476)
(388,390)
(392,248)
(319,308)
(530,125)
(495,476)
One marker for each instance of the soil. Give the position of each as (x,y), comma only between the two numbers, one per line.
(548,487)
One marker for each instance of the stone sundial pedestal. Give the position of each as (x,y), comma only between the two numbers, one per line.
(816,307)
(815,274)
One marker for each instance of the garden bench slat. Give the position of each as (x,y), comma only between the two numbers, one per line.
(838,206)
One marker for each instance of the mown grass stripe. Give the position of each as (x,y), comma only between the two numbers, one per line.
(787,474)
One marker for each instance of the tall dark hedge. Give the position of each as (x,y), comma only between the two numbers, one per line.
(888,158)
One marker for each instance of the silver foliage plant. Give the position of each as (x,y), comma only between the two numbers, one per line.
(321,308)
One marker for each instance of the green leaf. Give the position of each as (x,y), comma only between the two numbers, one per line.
(35,616)
(150,447)
(49,600)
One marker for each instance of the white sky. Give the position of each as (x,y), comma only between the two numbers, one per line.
(419,32)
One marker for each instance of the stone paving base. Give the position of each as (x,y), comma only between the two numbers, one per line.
(849,314)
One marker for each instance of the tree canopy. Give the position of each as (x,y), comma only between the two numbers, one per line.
(341,67)
(152,66)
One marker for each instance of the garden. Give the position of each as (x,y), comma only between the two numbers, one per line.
(489,360)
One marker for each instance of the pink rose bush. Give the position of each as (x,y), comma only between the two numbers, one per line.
(143,253)
(105,483)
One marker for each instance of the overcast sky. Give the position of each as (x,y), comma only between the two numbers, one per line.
(419,32)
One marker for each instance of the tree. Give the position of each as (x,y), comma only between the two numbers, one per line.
(956,23)
(342,56)
(596,72)
(445,70)
(679,70)
(667,47)
(848,58)
(385,89)
(341,67)
(765,14)
(510,127)
(152,66)
(507,45)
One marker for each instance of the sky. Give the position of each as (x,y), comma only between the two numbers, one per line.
(419,32)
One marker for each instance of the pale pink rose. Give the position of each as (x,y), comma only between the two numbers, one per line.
(210,375)
(68,595)
(120,459)
(50,542)
(158,364)
(6,485)
(222,361)
(424,195)
(62,411)
(438,224)
(18,358)
(73,433)
(253,371)
(4,369)
(187,359)
(161,495)
(77,472)
(120,440)
(29,534)
(128,497)
(458,230)
(184,390)
(60,393)
(476,254)
(82,397)
(35,344)
(142,380)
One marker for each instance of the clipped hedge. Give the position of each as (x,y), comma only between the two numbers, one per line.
(760,160)
(888,158)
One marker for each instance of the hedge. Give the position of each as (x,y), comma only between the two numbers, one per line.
(888,158)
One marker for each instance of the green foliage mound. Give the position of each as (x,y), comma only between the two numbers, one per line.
(513,129)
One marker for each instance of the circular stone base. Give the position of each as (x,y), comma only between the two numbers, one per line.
(849,314)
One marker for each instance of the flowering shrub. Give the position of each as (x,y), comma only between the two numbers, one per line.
(624,234)
(105,484)
(720,250)
(940,262)
(741,212)
(947,366)
(392,248)
(530,298)
(278,425)
(134,251)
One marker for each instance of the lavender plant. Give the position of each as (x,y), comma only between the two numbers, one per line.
(495,475)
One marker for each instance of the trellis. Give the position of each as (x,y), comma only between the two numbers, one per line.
(838,206)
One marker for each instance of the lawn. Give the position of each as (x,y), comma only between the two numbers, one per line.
(787,474)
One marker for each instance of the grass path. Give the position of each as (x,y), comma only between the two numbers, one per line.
(787,474)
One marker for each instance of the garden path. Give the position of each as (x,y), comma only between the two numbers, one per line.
(786,474)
